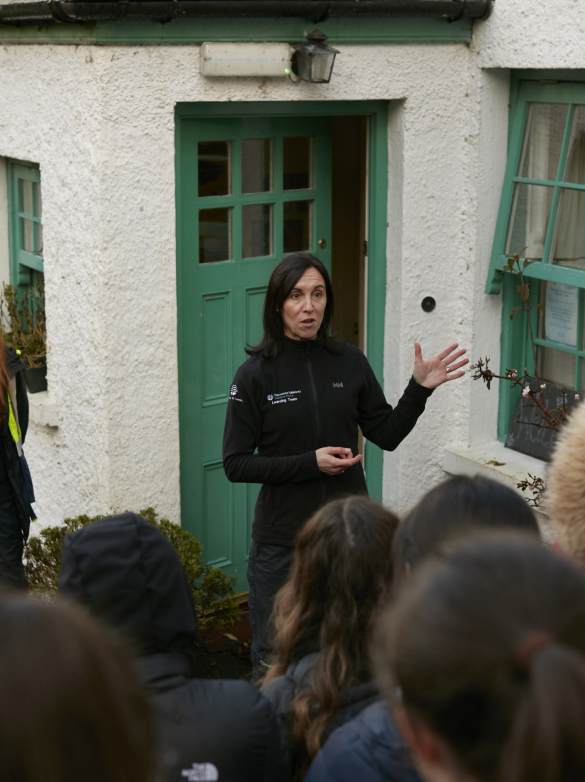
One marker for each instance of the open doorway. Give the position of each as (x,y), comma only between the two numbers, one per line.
(349,226)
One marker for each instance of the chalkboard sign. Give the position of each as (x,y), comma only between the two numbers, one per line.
(533,440)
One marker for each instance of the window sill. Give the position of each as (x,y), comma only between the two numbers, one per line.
(42,410)
(511,468)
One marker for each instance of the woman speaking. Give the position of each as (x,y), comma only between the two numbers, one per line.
(299,391)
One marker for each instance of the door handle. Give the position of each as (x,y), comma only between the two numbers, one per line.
(322,244)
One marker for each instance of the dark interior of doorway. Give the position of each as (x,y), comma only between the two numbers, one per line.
(348,224)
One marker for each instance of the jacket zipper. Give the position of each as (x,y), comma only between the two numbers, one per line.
(316,410)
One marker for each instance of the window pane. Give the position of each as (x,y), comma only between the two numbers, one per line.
(27,235)
(556,367)
(215,235)
(39,238)
(543,139)
(528,220)
(257,165)
(575,165)
(297,163)
(25,196)
(256,230)
(298,226)
(569,244)
(214,168)
(561,310)
(38,202)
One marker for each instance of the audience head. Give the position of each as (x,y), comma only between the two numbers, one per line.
(342,568)
(451,509)
(483,655)
(128,574)
(72,706)
(565,487)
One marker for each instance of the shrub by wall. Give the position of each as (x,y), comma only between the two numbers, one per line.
(213,590)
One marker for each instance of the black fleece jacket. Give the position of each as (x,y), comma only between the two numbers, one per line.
(307,398)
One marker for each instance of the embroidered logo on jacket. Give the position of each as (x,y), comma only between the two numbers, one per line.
(233,390)
(285,396)
(201,772)
(337,385)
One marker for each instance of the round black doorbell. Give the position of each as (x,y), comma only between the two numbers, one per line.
(428,304)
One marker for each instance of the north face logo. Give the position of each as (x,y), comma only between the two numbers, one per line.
(201,772)
(337,385)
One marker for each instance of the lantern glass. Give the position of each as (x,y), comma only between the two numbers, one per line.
(314,62)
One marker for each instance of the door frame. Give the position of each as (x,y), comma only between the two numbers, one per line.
(377,208)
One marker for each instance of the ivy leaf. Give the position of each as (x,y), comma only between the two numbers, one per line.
(515,311)
(524,291)
(510,264)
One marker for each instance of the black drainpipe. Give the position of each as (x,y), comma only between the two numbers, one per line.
(165,10)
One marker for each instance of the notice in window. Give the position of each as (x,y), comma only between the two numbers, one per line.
(562,306)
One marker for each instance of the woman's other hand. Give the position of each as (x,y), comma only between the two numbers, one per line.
(334,461)
(439,369)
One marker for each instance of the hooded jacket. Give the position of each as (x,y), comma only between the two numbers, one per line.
(368,748)
(128,574)
(308,397)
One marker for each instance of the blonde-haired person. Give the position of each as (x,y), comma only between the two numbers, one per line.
(341,572)
(483,658)
(565,486)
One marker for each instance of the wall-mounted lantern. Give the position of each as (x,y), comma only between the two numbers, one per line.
(313,61)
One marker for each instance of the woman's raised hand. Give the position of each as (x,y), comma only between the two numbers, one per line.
(334,461)
(439,369)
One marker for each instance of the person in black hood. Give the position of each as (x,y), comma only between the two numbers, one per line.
(16,491)
(128,574)
(292,423)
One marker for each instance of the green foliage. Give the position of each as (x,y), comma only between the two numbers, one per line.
(213,591)
(22,323)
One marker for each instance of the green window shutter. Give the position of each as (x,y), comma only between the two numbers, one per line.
(25,224)
(541,212)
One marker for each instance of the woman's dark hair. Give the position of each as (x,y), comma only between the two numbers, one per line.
(72,706)
(342,568)
(282,280)
(452,508)
(487,648)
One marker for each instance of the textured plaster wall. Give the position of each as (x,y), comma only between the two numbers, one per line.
(100,122)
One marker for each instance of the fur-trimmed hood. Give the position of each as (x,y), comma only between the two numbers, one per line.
(565,486)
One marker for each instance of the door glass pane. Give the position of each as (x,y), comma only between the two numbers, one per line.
(528,220)
(256,230)
(27,235)
(556,367)
(298,226)
(569,245)
(257,165)
(26,196)
(213,168)
(297,163)
(543,139)
(215,235)
(575,165)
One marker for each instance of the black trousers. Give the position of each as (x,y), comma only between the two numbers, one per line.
(11,547)
(268,569)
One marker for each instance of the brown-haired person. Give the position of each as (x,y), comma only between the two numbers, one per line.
(453,508)
(72,706)
(483,658)
(16,490)
(292,422)
(321,676)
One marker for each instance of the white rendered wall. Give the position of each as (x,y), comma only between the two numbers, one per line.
(100,122)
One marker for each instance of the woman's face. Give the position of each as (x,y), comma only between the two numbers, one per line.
(304,307)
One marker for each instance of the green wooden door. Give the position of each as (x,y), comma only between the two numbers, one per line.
(252,190)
